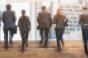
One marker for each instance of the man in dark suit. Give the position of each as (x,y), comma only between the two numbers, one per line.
(24,27)
(44,23)
(84,24)
(9,20)
(0,18)
(0,22)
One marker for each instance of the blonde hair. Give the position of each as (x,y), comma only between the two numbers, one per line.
(59,11)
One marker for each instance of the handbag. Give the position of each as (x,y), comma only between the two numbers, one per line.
(15,29)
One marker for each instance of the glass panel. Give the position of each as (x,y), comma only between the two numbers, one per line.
(71,8)
(32,9)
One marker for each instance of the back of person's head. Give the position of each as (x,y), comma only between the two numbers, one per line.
(8,7)
(84,8)
(43,8)
(59,11)
(23,12)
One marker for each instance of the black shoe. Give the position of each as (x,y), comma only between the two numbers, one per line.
(11,46)
(6,48)
(41,41)
(22,50)
(26,45)
(45,46)
(59,49)
(11,42)
(87,55)
(62,45)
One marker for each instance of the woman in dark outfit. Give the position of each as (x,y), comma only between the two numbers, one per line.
(24,27)
(60,21)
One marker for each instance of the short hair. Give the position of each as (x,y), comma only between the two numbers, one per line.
(23,10)
(43,7)
(84,8)
(8,5)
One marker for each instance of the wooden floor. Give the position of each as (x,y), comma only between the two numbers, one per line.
(72,49)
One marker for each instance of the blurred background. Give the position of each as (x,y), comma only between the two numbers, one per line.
(71,8)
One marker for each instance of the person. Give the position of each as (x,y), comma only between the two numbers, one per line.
(24,27)
(0,22)
(84,25)
(61,22)
(44,23)
(9,20)
(0,18)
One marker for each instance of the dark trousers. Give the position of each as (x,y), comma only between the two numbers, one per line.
(24,36)
(85,40)
(6,32)
(44,36)
(59,39)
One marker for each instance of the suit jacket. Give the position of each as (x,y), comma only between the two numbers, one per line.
(84,20)
(0,18)
(24,24)
(60,21)
(44,20)
(9,19)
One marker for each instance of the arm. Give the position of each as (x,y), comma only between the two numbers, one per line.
(0,18)
(3,17)
(38,18)
(54,20)
(29,24)
(50,19)
(80,19)
(66,20)
(19,22)
(14,17)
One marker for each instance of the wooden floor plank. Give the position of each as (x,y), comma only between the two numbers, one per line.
(72,49)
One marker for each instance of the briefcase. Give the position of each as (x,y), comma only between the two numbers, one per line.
(15,29)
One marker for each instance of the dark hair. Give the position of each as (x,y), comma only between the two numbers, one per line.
(43,7)
(84,8)
(23,10)
(8,5)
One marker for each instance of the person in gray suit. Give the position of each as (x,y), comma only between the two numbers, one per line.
(44,23)
(9,20)
(0,18)
(24,27)
(84,25)
(61,22)
(0,22)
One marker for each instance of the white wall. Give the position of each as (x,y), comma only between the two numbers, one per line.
(33,7)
